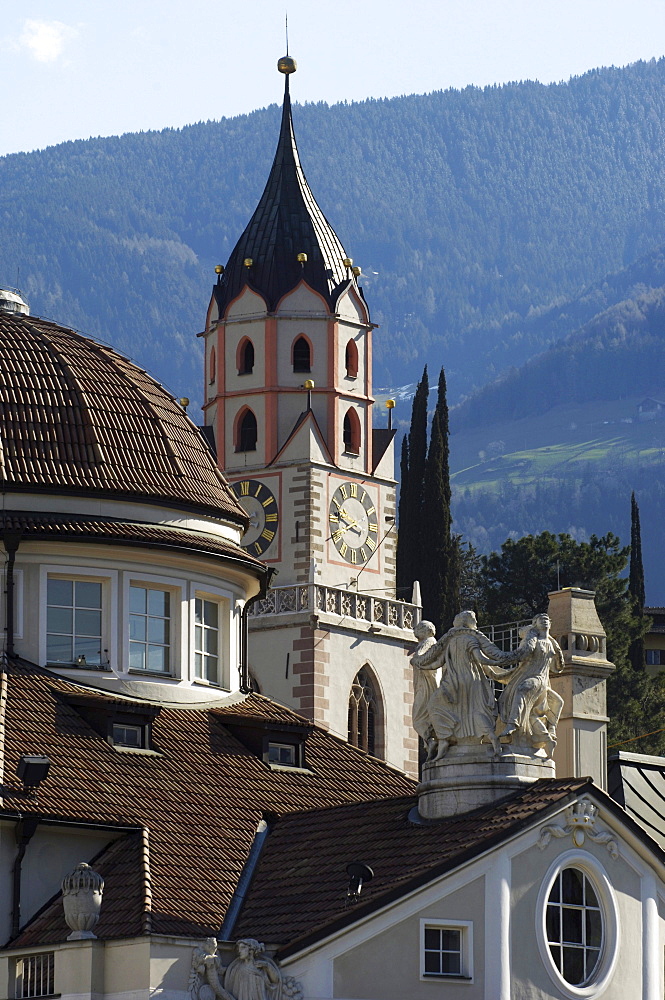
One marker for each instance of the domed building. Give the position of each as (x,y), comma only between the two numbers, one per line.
(124,565)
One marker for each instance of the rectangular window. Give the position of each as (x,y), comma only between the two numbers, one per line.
(35,976)
(74,621)
(282,753)
(149,629)
(206,640)
(127,735)
(655,657)
(446,949)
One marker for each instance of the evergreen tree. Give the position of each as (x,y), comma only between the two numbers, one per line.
(403,569)
(440,556)
(411,493)
(636,582)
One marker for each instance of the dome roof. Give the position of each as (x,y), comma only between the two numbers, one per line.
(76,417)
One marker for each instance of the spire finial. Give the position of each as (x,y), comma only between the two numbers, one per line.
(286,26)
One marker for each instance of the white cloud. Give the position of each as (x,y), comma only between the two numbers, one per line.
(46,40)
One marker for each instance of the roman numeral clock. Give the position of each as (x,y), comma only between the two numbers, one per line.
(259,502)
(353,523)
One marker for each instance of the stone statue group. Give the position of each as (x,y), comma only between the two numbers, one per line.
(252,975)
(461,707)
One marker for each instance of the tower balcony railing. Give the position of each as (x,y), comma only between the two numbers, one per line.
(507,635)
(347,604)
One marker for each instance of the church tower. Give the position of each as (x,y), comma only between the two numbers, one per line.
(288,399)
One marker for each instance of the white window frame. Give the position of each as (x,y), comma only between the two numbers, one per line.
(597,875)
(224,599)
(465,927)
(109,582)
(176,587)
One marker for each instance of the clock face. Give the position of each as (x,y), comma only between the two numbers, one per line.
(259,503)
(353,523)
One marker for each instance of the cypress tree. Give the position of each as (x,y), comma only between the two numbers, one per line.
(411,493)
(636,582)
(403,568)
(439,553)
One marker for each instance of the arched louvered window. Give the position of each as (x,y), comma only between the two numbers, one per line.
(351,359)
(246,357)
(351,432)
(364,713)
(247,432)
(302,355)
(212,366)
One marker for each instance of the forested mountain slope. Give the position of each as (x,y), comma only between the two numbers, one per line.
(477,209)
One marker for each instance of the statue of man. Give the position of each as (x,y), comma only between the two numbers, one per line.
(424,685)
(528,704)
(463,706)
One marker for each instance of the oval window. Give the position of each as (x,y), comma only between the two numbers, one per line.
(574,926)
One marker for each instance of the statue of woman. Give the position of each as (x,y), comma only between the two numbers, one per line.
(424,685)
(252,975)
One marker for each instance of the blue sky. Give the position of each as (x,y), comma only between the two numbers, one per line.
(74,68)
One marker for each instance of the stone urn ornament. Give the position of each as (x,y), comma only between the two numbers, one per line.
(82,900)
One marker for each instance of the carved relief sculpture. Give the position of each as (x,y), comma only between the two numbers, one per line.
(252,975)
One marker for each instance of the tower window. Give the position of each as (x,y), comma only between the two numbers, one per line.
(351,359)
(363,711)
(247,432)
(74,621)
(149,629)
(212,366)
(302,356)
(246,357)
(351,433)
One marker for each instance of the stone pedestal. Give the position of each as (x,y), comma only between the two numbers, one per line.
(469,777)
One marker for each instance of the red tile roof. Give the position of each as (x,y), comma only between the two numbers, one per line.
(199,800)
(38,526)
(76,416)
(299,891)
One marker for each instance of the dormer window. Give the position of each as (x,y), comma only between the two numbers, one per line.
(125,735)
(246,357)
(285,754)
(302,355)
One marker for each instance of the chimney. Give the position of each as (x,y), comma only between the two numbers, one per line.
(582,731)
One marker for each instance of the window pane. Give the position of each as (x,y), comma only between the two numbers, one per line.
(572,886)
(594,928)
(198,664)
(137,628)
(450,963)
(450,940)
(592,959)
(158,603)
(138,600)
(88,622)
(210,613)
(432,938)
(433,962)
(88,595)
(553,919)
(211,669)
(59,649)
(590,897)
(555,894)
(210,640)
(59,620)
(60,592)
(572,926)
(573,965)
(157,658)
(136,656)
(158,630)
(198,611)
(90,648)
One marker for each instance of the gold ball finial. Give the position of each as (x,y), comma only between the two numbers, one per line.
(309,384)
(219,269)
(287,65)
(390,404)
(302,258)
(184,402)
(248,261)
(356,271)
(348,262)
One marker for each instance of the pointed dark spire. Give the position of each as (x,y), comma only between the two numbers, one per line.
(287,222)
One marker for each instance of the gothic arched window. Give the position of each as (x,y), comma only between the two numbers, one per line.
(351,359)
(302,355)
(351,432)
(246,432)
(212,366)
(245,357)
(364,712)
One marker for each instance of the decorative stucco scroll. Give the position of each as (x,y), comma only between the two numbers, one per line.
(581,823)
